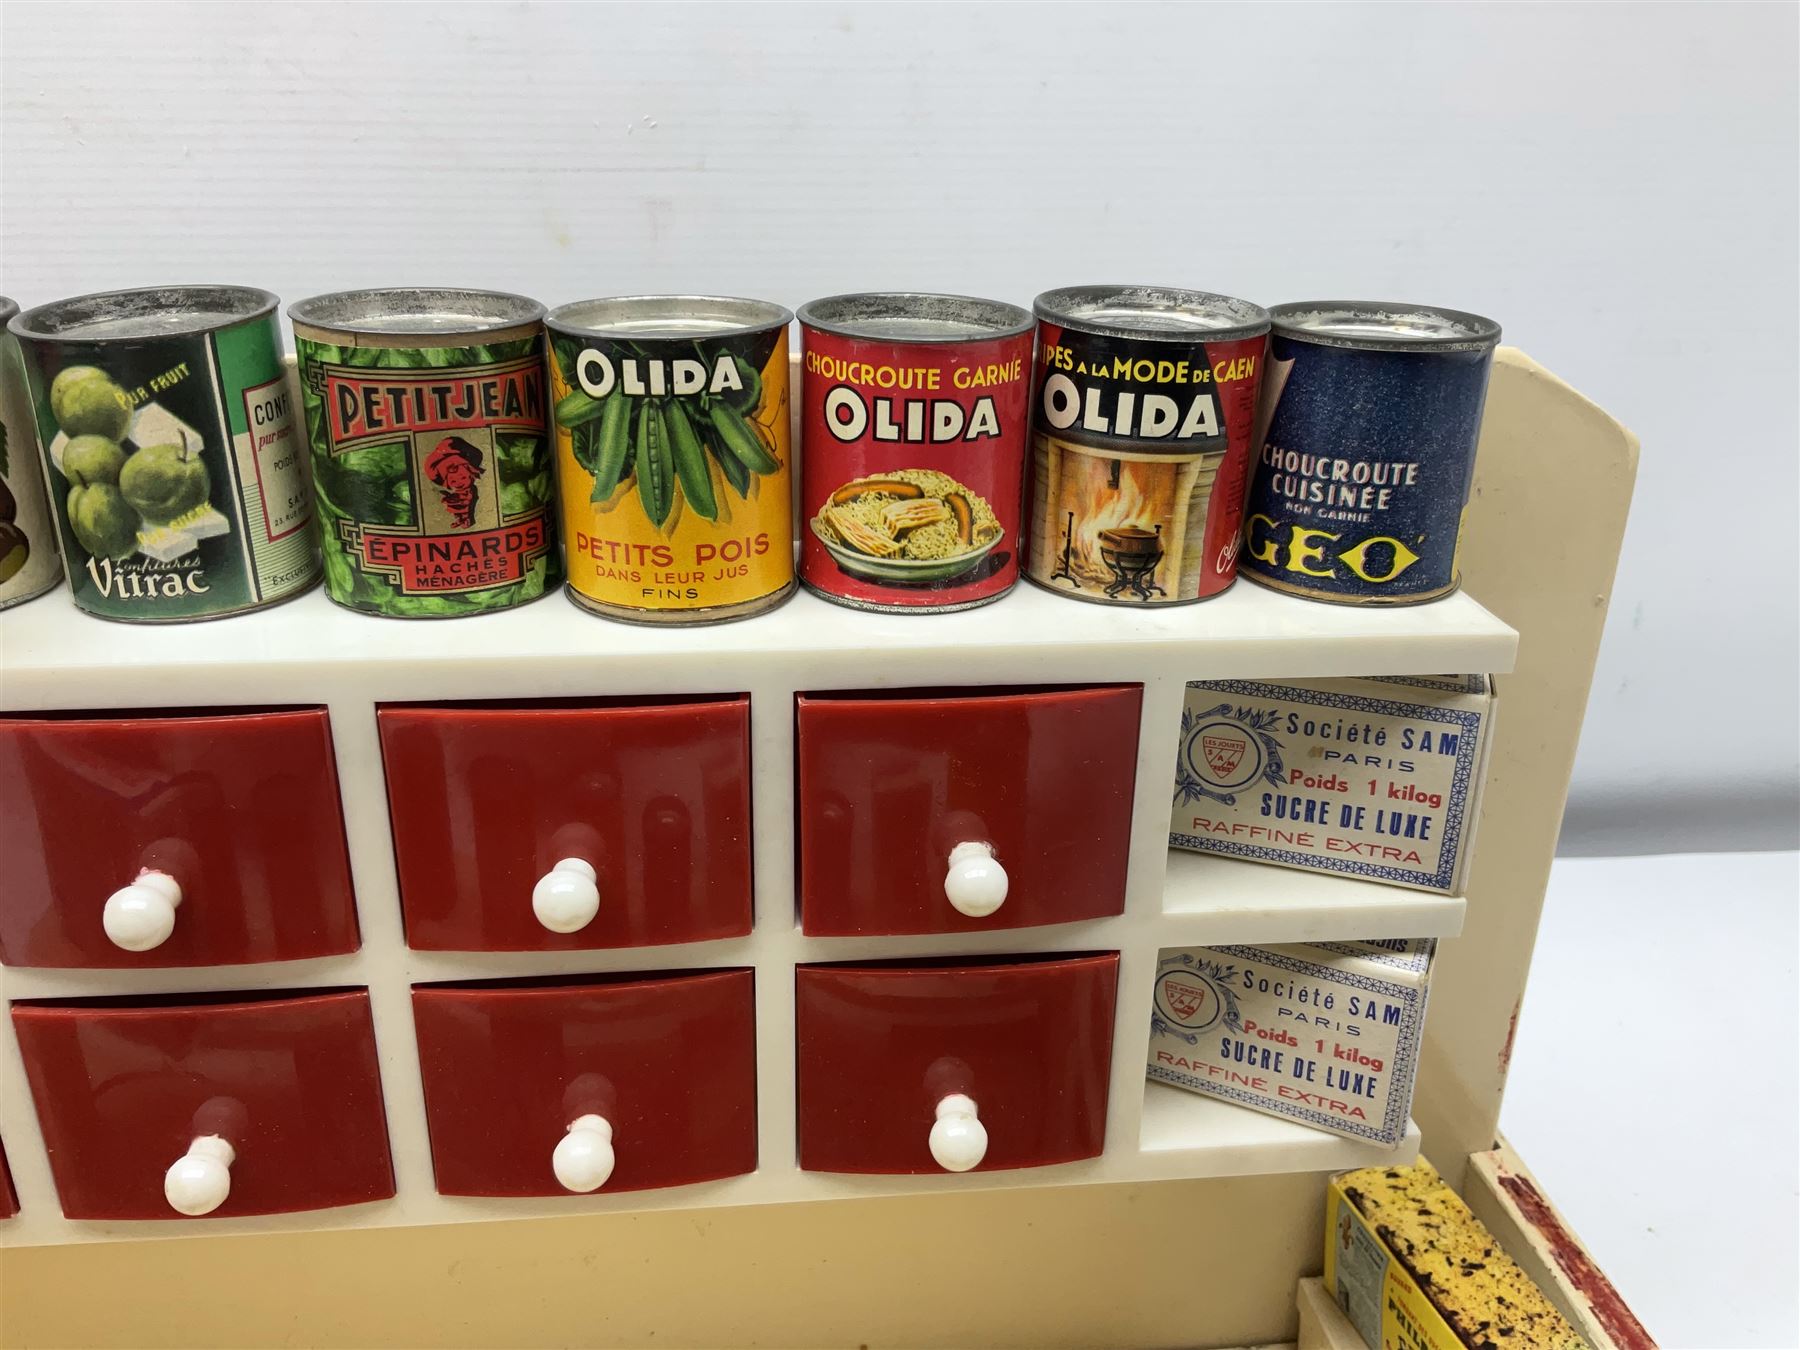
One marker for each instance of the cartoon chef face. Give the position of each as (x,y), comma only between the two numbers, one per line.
(455,468)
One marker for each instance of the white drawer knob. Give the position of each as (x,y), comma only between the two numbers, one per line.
(958,1139)
(584,1156)
(975,885)
(566,899)
(199,1181)
(141,916)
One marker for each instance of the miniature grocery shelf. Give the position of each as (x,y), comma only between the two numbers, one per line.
(310,652)
(309,648)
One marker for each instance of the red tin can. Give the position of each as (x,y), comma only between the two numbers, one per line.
(1145,417)
(912,426)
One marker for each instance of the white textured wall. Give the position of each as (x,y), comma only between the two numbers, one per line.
(1616,185)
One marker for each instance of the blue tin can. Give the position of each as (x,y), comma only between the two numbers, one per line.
(1370,415)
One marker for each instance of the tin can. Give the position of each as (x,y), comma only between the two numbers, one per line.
(1371,411)
(672,456)
(1143,425)
(28,553)
(914,414)
(427,414)
(175,466)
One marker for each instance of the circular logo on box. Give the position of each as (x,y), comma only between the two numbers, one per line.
(1224,754)
(1189,1000)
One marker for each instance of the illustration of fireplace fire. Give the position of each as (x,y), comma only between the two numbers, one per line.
(1119,525)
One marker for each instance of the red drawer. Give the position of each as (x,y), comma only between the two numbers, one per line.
(667,1063)
(486,801)
(239,809)
(9,1200)
(890,787)
(882,1048)
(290,1084)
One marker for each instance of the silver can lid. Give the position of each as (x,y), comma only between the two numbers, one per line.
(1158,313)
(147,312)
(915,316)
(1380,325)
(667,316)
(429,312)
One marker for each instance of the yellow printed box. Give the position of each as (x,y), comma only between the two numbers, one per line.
(1376,778)
(1394,1233)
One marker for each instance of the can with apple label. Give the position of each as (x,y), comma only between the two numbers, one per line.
(174,459)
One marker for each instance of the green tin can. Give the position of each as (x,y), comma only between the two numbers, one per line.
(425,410)
(28,552)
(174,459)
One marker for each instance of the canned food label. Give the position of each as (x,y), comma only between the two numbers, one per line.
(177,472)
(914,468)
(672,460)
(432,472)
(1140,458)
(28,554)
(1364,470)
(1327,1034)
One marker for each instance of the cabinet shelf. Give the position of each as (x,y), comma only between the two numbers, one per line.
(308,649)
(1185,1134)
(1211,901)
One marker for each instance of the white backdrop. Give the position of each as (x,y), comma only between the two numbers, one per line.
(1617,185)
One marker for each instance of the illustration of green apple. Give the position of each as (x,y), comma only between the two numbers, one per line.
(103,523)
(85,401)
(164,482)
(87,460)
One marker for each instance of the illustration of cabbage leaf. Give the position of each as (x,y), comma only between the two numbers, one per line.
(369,484)
(524,472)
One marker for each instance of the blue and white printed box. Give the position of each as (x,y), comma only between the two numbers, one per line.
(1325,1033)
(1375,778)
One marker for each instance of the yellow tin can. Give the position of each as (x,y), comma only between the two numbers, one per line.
(672,456)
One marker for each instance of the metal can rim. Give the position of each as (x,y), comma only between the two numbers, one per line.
(1459,330)
(259,304)
(758,316)
(1007,319)
(8,308)
(1247,318)
(314,313)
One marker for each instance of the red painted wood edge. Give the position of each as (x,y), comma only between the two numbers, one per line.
(1586,1278)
